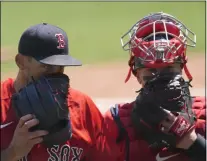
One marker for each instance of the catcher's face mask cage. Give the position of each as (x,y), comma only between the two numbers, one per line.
(157,40)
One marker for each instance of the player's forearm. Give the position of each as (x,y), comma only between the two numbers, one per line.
(197,151)
(8,155)
(188,140)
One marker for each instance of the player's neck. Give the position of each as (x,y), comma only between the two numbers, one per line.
(19,82)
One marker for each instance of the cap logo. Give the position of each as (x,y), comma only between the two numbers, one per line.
(61,41)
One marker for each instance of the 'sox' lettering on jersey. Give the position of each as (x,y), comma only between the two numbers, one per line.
(64,153)
(76,153)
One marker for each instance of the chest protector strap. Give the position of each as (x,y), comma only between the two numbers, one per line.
(123,135)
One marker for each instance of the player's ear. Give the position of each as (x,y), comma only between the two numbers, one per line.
(138,77)
(19,59)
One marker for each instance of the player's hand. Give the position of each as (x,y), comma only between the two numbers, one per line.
(189,137)
(23,140)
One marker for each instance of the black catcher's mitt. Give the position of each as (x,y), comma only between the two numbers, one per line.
(163,92)
(46,98)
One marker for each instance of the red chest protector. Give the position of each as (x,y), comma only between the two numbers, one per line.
(134,145)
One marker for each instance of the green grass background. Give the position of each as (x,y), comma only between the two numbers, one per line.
(94,28)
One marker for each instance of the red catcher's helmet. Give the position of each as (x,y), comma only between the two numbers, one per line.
(157,40)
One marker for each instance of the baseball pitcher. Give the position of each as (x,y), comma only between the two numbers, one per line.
(42,117)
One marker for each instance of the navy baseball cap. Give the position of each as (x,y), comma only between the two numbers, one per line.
(47,44)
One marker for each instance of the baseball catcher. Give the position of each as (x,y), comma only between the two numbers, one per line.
(164,122)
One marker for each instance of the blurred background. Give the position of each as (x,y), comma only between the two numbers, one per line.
(94,30)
